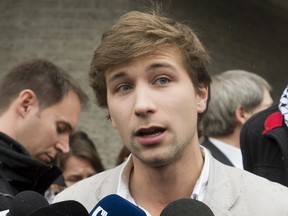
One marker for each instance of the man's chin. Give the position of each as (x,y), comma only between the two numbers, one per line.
(156,161)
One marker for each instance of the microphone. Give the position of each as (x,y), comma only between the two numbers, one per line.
(185,207)
(114,205)
(25,202)
(67,208)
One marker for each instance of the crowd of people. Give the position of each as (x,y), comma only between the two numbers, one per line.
(151,73)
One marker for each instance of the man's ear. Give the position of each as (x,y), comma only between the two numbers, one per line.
(241,115)
(202,97)
(26,100)
(112,122)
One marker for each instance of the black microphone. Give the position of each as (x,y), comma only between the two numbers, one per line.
(114,205)
(64,208)
(25,202)
(185,207)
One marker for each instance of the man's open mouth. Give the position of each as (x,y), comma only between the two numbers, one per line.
(152,131)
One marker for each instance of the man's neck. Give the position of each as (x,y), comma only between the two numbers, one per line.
(155,187)
(231,139)
(8,124)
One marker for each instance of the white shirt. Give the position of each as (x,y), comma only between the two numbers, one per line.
(4,213)
(231,152)
(198,191)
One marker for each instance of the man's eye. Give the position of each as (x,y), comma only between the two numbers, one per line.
(123,88)
(62,129)
(162,80)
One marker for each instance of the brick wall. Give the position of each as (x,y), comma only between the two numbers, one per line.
(238,34)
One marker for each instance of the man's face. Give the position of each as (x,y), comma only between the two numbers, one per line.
(44,133)
(154,106)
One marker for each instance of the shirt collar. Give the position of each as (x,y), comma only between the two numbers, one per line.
(231,152)
(198,191)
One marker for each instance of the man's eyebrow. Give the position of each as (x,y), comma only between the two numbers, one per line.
(116,76)
(122,74)
(160,65)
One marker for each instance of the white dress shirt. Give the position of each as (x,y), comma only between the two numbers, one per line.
(198,191)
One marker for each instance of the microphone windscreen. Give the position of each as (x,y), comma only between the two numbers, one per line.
(114,205)
(185,207)
(64,208)
(25,202)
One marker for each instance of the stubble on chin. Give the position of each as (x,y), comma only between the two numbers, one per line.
(155,160)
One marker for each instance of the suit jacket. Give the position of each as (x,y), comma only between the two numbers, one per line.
(264,145)
(230,191)
(216,153)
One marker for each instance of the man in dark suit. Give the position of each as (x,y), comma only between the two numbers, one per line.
(264,143)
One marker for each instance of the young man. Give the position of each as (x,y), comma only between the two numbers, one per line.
(40,106)
(151,72)
(235,96)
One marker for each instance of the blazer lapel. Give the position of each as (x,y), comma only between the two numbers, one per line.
(221,194)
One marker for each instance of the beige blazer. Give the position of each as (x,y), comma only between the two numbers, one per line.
(230,192)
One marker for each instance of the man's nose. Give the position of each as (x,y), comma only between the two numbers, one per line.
(144,103)
(63,145)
